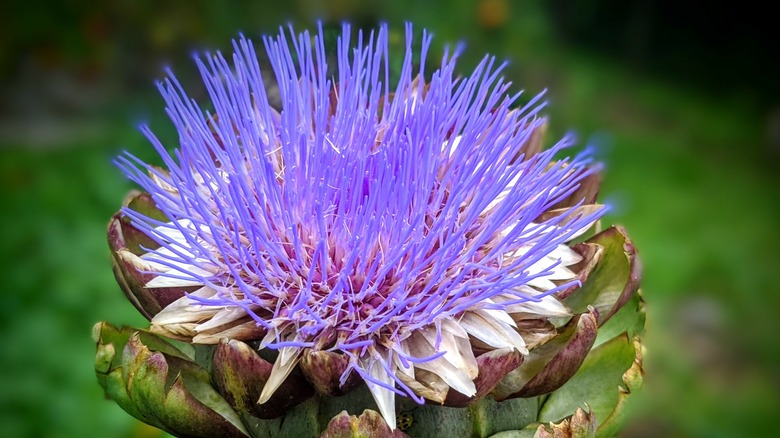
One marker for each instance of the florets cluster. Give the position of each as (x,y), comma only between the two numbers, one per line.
(406,225)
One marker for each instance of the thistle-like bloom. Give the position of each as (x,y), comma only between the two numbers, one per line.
(407,227)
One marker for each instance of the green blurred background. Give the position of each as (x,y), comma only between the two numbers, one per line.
(682,103)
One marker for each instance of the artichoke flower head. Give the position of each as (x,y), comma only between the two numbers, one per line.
(411,235)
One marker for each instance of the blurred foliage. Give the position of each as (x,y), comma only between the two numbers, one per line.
(690,157)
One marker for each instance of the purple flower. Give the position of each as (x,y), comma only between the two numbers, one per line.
(408,226)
